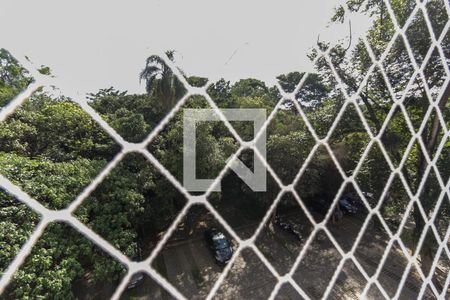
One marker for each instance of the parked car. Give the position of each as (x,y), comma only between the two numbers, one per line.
(219,245)
(348,205)
(289,227)
(136,280)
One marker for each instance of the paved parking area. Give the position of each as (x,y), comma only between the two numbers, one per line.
(190,266)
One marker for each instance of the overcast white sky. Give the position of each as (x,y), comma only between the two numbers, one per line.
(96,44)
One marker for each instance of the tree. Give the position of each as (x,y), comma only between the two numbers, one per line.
(132,116)
(161,82)
(51,149)
(13,77)
(55,129)
(375,100)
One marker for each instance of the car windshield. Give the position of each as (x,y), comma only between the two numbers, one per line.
(220,241)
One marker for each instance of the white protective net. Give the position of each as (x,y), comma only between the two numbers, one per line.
(347,255)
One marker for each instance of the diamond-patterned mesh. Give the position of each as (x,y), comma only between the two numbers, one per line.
(382,257)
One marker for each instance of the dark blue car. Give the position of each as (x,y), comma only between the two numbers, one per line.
(219,245)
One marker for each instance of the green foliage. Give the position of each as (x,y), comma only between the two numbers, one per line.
(290,81)
(59,258)
(132,206)
(54,129)
(44,70)
(132,116)
(51,149)
(220,91)
(17,222)
(13,77)
(54,184)
(213,141)
(288,144)
(197,81)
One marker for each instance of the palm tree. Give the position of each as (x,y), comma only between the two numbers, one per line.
(160,81)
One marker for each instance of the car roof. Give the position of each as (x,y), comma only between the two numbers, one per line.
(218,236)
